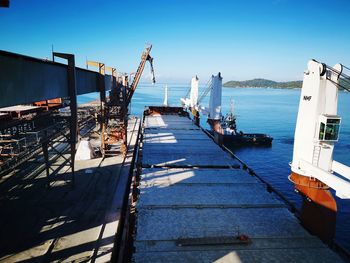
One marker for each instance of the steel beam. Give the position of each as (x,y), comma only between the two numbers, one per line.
(26,79)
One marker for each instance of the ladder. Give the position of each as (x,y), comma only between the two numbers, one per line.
(316,155)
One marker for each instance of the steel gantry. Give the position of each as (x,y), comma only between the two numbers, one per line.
(39,99)
(114,109)
(27,81)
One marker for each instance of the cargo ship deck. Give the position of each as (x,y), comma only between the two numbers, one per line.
(197,203)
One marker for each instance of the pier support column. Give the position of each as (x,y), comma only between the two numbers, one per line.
(73,105)
(102,88)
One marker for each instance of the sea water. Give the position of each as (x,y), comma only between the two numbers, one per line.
(262,110)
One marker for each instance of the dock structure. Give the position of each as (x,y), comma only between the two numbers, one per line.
(196,203)
(65,223)
(65,168)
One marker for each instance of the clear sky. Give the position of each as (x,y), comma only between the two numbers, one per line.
(272,39)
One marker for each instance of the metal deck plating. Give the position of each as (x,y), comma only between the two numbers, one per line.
(193,191)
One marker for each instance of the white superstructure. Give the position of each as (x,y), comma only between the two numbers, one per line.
(317,129)
(192,101)
(215,98)
(194,92)
(166,103)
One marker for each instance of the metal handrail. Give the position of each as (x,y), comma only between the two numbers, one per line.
(342,77)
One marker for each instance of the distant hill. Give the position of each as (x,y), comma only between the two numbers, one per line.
(264,83)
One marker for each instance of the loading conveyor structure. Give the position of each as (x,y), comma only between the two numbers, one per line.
(196,203)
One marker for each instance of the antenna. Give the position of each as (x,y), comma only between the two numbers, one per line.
(231,105)
(53,57)
(166,103)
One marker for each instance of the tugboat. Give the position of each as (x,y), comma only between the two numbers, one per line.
(231,137)
(224,129)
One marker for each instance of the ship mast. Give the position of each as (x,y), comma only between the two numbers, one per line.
(231,106)
(165,103)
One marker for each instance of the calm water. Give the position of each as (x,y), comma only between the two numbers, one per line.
(271,111)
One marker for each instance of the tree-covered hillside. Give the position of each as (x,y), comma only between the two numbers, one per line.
(266,83)
(263,83)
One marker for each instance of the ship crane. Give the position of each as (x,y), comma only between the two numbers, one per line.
(166,100)
(115,111)
(213,112)
(191,98)
(214,86)
(317,130)
(120,98)
(144,57)
(193,101)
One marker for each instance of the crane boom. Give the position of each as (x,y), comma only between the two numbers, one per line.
(114,112)
(144,57)
(119,99)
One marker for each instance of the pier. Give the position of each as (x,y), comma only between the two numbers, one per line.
(66,223)
(65,167)
(197,203)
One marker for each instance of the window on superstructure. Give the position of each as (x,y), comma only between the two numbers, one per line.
(330,130)
(322,128)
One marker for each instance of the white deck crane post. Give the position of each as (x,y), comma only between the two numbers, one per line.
(191,103)
(317,129)
(194,100)
(194,92)
(166,99)
(214,117)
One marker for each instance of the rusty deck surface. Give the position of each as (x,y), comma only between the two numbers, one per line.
(197,204)
(20,108)
(65,223)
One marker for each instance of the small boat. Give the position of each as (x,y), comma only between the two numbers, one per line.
(232,137)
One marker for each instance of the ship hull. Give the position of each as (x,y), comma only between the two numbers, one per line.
(249,139)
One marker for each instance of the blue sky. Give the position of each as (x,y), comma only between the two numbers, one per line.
(272,39)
